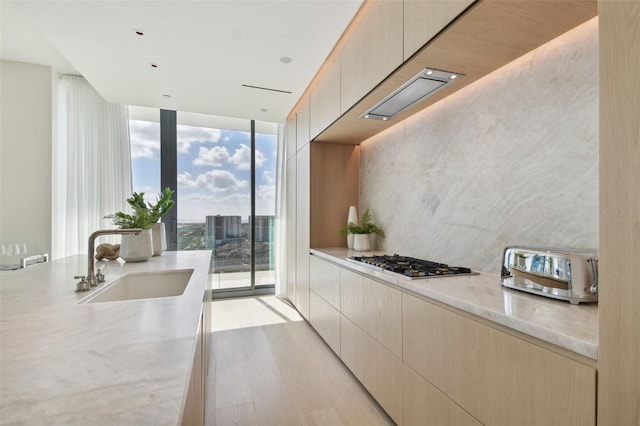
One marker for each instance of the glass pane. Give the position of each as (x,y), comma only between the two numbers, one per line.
(266,149)
(144,133)
(214,194)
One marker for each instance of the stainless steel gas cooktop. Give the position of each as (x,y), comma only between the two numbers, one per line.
(410,267)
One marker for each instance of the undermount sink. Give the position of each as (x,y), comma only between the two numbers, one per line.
(143,285)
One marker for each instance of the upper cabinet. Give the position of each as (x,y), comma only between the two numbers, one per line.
(324,100)
(424,19)
(389,42)
(372,51)
(290,143)
(302,123)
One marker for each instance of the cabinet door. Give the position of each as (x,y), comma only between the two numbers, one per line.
(195,402)
(291,238)
(324,279)
(372,52)
(374,307)
(426,405)
(302,123)
(290,145)
(325,319)
(376,367)
(423,19)
(302,231)
(498,378)
(324,101)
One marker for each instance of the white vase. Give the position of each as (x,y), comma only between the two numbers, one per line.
(361,242)
(159,233)
(137,248)
(352,217)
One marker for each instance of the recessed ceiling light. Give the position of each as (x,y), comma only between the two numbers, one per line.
(139,33)
(285,60)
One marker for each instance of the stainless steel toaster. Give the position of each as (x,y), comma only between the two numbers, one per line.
(557,273)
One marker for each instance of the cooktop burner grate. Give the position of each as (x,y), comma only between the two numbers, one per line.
(411,267)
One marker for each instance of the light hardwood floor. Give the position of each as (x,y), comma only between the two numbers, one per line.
(269,367)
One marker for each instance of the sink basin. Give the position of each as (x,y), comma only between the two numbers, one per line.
(143,285)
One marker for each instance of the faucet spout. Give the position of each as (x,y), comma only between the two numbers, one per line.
(91,277)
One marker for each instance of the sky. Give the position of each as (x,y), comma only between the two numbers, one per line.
(213,170)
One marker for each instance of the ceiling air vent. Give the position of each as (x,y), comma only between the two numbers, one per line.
(420,87)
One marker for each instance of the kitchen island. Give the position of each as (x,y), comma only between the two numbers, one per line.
(113,363)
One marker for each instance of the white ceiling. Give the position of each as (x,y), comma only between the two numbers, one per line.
(205,50)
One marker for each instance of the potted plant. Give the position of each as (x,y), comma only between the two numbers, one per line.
(138,248)
(363,231)
(164,203)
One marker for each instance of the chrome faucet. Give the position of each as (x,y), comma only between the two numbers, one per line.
(92,279)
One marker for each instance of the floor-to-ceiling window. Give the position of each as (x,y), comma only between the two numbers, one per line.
(225,191)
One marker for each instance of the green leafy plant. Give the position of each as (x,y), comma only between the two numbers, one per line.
(144,214)
(164,203)
(366,226)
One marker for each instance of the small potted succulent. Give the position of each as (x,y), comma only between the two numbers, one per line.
(152,240)
(363,231)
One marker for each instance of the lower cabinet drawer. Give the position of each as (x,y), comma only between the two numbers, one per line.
(425,405)
(326,320)
(498,378)
(379,370)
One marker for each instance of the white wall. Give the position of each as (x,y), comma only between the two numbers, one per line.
(25,154)
(510,159)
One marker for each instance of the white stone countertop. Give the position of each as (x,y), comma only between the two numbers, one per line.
(572,327)
(112,363)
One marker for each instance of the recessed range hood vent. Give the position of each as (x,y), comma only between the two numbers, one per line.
(420,87)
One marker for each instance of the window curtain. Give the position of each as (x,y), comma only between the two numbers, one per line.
(280,220)
(92,165)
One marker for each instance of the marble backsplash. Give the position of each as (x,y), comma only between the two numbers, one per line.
(510,159)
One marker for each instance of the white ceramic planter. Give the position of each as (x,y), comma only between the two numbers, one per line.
(159,233)
(361,242)
(352,217)
(137,248)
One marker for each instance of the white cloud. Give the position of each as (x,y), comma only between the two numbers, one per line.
(216,181)
(242,158)
(184,180)
(214,157)
(267,176)
(144,138)
(265,199)
(188,135)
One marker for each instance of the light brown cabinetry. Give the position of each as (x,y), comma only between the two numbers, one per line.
(375,366)
(302,230)
(334,187)
(498,378)
(290,145)
(374,307)
(324,100)
(372,52)
(424,19)
(324,297)
(325,319)
(302,123)
(194,407)
(426,405)
(325,280)
(619,276)
(290,205)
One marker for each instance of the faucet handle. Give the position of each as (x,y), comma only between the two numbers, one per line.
(83,284)
(100,276)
